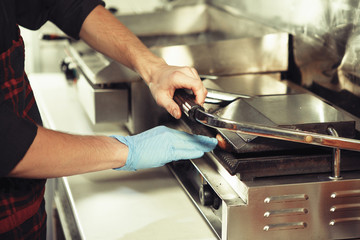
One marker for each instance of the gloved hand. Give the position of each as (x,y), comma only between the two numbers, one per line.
(160,145)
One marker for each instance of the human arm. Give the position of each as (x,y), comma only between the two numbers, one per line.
(161,145)
(75,154)
(105,33)
(56,154)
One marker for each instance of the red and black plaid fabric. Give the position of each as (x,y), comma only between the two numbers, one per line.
(22,210)
(15,85)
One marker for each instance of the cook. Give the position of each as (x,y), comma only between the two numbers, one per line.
(30,153)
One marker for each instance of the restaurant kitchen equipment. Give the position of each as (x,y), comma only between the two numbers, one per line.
(256,187)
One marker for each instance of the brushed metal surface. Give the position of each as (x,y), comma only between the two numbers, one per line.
(144,113)
(98,68)
(172,32)
(249,84)
(268,53)
(285,110)
(325,42)
(66,210)
(286,212)
(103,105)
(281,208)
(181,20)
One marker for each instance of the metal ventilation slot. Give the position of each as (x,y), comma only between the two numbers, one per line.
(349,193)
(345,207)
(336,221)
(285,226)
(286,198)
(286,212)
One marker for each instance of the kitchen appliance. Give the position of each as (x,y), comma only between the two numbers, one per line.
(258,188)
(274,189)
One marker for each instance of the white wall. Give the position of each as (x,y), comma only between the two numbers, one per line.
(41,55)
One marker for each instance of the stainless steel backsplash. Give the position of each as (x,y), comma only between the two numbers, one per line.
(326,36)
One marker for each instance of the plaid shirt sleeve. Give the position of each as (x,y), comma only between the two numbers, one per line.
(22,212)
(19,115)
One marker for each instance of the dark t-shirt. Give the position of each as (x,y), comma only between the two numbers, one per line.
(68,15)
(19,115)
(16,132)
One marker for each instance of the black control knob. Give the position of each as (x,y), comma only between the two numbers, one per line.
(206,195)
(216,203)
(69,68)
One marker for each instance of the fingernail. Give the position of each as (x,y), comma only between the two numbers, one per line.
(175,114)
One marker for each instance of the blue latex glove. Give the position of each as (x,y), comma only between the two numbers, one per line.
(160,145)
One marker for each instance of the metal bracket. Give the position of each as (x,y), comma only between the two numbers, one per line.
(336,154)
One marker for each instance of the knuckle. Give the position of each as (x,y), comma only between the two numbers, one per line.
(205,91)
(176,74)
(193,70)
(198,85)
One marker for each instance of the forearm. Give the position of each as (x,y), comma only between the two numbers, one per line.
(55,154)
(105,33)
(102,31)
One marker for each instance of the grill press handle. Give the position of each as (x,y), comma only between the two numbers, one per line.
(187,103)
(196,113)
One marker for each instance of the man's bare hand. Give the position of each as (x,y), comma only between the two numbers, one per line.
(105,33)
(169,78)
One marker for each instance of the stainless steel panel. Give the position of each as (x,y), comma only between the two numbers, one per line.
(229,57)
(65,208)
(315,222)
(191,22)
(264,54)
(97,68)
(185,25)
(299,207)
(249,84)
(326,36)
(176,21)
(297,109)
(144,113)
(103,105)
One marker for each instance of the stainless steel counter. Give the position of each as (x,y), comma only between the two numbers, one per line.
(111,204)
